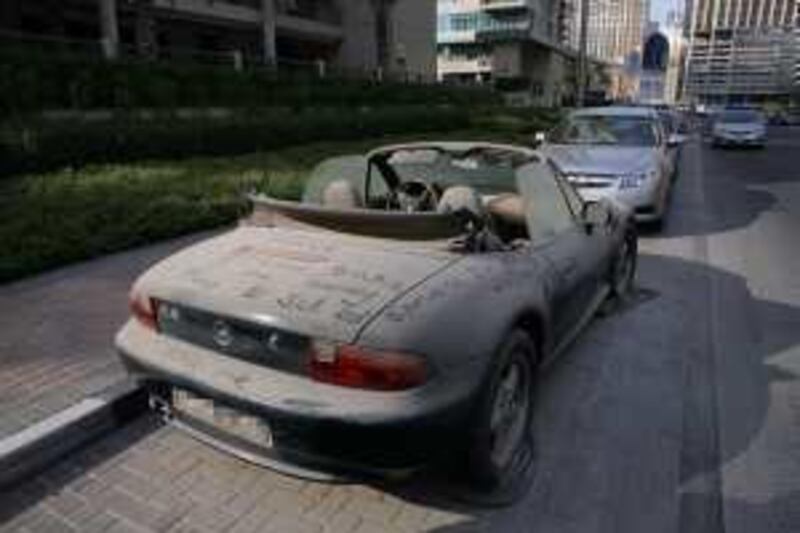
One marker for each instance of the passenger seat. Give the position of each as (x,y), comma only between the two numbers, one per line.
(508,213)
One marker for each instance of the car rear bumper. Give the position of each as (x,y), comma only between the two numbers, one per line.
(343,433)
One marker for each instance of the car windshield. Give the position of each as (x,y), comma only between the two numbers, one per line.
(739,117)
(487,170)
(371,205)
(605,129)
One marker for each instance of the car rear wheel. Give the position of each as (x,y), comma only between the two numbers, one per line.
(500,451)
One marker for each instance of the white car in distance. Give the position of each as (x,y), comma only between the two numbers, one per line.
(739,127)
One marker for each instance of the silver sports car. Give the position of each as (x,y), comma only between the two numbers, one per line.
(397,314)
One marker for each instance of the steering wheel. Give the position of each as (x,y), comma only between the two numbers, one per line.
(415,196)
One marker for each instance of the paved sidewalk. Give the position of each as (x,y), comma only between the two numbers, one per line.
(56,333)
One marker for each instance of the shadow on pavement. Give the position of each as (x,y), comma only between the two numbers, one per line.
(729,180)
(624,421)
(628,418)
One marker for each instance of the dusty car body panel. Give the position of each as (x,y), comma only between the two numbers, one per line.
(297,274)
(325,284)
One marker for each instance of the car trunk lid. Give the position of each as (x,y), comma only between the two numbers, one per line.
(316,284)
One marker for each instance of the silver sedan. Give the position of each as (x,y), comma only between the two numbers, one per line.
(618,152)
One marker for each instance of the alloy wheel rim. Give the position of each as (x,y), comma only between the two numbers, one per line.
(509,412)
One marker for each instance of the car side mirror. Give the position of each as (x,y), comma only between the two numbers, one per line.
(594,214)
(539,138)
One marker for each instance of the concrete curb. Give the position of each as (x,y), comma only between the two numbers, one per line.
(39,445)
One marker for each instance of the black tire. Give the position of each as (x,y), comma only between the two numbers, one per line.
(623,269)
(500,464)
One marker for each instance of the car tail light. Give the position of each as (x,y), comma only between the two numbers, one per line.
(143,309)
(363,368)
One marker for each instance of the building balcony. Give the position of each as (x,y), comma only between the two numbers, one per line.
(454,37)
(456,65)
(505,31)
(212,10)
(504,5)
(322,23)
(310,28)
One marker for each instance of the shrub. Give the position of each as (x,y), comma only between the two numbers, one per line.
(43,144)
(32,81)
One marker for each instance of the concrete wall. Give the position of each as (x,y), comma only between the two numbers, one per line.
(545,67)
(414,38)
(358,48)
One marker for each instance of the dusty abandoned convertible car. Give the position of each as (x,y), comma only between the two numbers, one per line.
(400,310)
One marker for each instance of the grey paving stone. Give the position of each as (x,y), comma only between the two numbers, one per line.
(53,352)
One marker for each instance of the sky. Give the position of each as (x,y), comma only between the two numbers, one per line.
(660,8)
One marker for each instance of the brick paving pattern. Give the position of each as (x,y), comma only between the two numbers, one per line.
(56,333)
(147,478)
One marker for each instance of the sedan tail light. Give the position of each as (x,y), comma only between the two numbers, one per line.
(363,368)
(143,309)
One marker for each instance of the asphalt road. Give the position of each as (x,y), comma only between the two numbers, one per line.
(680,413)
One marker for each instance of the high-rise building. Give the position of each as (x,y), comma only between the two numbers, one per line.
(796,51)
(394,36)
(530,47)
(614,36)
(520,45)
(739,50)
(461,58)
(662,61)
(615,29)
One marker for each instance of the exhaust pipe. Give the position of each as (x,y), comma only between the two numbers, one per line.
(161,406)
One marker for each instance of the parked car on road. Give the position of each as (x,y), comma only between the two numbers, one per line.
(675,132)
(739,127)
(398,313)
(616,152)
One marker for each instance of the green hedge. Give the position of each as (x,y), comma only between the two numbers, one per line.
(34,81)
(30,146)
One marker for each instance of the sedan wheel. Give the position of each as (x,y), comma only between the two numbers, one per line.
(625,268)
(501,444)
(623,273)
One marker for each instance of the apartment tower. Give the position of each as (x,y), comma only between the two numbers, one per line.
(739,50)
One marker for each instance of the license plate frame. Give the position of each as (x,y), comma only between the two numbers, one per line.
(252,429)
